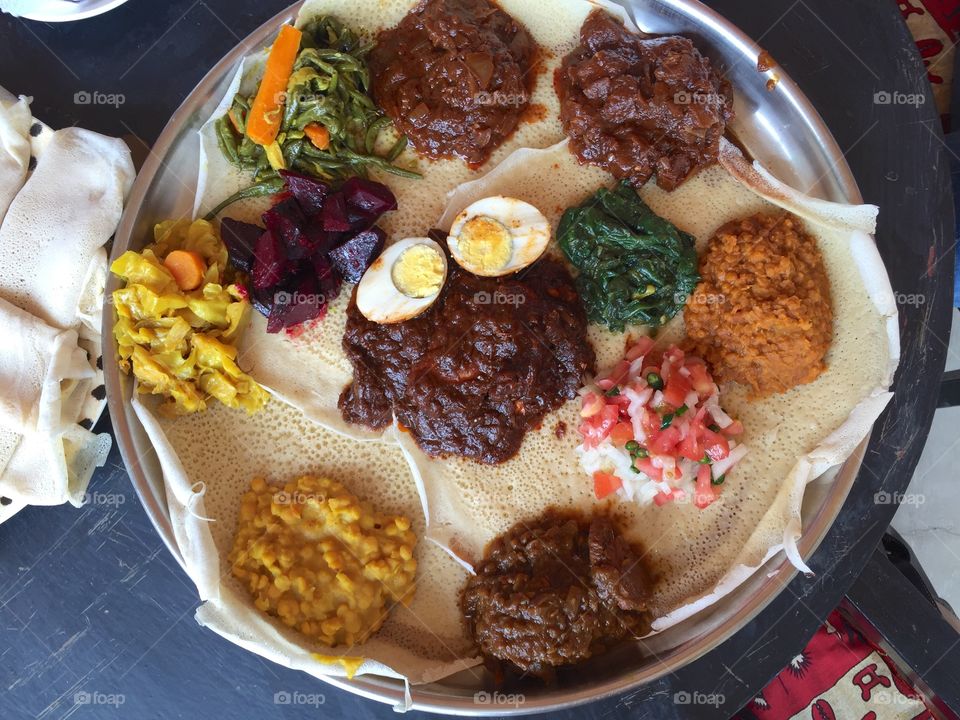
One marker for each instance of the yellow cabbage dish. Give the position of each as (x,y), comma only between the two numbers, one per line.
(182,345)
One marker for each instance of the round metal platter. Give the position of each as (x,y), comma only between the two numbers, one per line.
(777,126)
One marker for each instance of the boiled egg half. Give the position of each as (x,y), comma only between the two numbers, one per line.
(403,282)
(498,236)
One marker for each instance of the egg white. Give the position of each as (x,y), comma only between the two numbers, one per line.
(529,230)
(378,298)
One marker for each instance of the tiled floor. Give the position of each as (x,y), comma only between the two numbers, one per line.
(928,518)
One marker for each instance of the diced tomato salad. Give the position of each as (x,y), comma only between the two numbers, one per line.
(653,429)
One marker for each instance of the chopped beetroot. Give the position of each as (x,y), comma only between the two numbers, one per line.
(275,318)
(308,302)
(359,220)
(354,256)
(280,196)
(299,301)
(287,222)
(240,239)
(372,199)
(329,279)
(334,215)
(315,240)
(318,239)
(262,300)
(281,297)
(270,263)
(308,191)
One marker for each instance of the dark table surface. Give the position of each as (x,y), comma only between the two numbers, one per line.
(96,618)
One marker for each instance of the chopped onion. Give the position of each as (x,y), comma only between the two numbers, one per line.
(587,389)
(638,398)
(736,455)
(592,404)
(712,404)
(661,435)
(665,369)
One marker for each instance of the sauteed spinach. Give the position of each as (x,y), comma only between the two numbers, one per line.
(634,266)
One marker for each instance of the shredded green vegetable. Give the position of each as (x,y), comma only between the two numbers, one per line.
(329,86)
(635,267)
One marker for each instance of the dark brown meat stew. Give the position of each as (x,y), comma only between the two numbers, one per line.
(639,104)
(455,76)
(476,371)
(554,591)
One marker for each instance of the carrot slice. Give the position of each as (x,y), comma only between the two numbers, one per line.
(263,123)
(187,268)
(318,135)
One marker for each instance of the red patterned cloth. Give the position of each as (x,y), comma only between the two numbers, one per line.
(935,25)
(838,676)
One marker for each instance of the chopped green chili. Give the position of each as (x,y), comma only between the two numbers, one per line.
(270,186)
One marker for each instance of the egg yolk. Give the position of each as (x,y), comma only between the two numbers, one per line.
(418,272)
(485,244)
